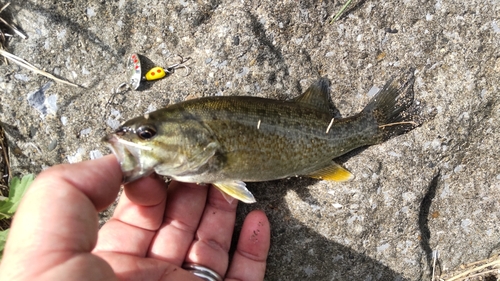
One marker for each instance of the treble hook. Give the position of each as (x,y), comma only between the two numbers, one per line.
(171,69)
(122,88)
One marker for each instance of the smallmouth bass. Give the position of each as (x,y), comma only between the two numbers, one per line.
(226,141)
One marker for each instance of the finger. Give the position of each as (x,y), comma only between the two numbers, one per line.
(213,237)
(147,191)
(58,214)
(185,205)
(143,203)
(99,180)
(249,260)
(137,216)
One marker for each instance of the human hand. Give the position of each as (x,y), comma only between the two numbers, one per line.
(153,231)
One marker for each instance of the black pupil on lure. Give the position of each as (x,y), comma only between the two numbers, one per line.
(146,132)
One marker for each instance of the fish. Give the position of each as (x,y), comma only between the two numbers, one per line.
(229,140)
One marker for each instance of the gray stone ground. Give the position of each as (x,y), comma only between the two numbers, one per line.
(435,188)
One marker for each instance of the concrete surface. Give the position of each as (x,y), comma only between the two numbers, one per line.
(435,188)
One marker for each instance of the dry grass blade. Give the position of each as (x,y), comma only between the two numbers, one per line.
(434,258)
(3,38)
(4,6)
(3,31)
(22,35)
(477,270)
(19,61)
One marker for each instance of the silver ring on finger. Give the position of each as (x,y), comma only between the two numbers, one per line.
(201,271)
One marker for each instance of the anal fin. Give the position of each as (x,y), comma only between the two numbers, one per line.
(334,172)
(235,189)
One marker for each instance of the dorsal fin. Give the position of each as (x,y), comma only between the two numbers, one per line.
(317,95)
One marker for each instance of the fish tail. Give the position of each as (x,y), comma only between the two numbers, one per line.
(393,107)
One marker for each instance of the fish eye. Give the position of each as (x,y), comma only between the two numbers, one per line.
(146,132)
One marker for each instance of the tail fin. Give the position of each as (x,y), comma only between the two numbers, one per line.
(393,106)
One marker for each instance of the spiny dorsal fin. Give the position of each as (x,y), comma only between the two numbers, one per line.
(317,95)
(235,189)
(334,172)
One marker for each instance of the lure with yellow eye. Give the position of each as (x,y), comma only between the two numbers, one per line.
(155,73)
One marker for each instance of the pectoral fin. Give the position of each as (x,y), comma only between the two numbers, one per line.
(334,172)
(235,189)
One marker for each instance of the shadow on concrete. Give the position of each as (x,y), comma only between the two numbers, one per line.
(291,260)
(423,219)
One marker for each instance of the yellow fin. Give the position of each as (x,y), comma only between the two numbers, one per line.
(235,189)
(334,172)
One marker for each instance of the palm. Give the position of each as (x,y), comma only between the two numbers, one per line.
(152,233)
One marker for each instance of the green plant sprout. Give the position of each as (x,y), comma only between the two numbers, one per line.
(8,205)
(342,10)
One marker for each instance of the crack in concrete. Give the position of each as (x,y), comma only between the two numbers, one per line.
(423,218)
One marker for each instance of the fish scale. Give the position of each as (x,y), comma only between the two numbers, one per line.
(280,147)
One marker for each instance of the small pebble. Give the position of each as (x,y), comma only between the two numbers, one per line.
(22,77)
(236,40)
(85,131)
(52,144)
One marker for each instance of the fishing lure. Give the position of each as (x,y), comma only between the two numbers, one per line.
(135,70)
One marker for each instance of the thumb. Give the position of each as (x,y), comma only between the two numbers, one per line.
(57,219)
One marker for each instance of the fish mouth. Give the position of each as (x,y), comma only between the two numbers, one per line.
(128,155)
